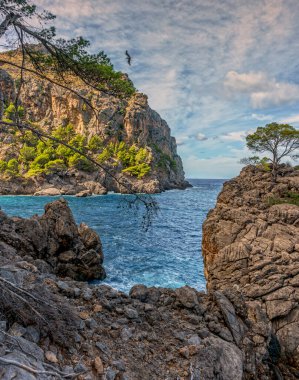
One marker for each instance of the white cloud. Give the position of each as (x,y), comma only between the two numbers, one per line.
(234,136)
(294,119)
(201,137)
(246,82)
(261,117)
(262,90)
(181,139)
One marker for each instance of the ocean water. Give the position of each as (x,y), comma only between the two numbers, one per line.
(167,255)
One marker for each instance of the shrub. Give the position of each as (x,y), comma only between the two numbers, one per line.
(95,144)
(64,133)
(40,161)
(289,198)
(55,166)
(81,163)
(12,167)
(139,170)
(3,166)
(27,153)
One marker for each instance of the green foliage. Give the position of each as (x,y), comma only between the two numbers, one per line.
(81,163)
(134,160)
(40,161)
(3,166)
(30,139)
(36,157)
(12,167)
(95,144)
(11,112)
(79,142)
(65,133)
(27,153)
(55,166)
(261,163)
(271,137)
(279,140)
(139,170)
(289,198)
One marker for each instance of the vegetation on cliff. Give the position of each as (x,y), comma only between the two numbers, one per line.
(280,140)
(29,156)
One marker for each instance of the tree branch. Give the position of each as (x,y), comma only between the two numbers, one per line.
(9,20)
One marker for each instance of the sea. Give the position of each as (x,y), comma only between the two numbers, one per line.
(166,254)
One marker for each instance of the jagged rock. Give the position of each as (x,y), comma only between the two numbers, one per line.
(54,237)
(253,247)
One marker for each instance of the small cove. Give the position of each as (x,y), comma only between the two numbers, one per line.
(167,255)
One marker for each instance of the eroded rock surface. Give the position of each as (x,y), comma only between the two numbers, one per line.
(253,248)
(55,241)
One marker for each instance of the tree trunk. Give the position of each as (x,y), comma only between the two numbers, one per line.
(9,20)
(274,171)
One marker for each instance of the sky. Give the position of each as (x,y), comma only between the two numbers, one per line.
(214,70)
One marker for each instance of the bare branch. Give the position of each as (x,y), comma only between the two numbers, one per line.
(35,371)
(9,20)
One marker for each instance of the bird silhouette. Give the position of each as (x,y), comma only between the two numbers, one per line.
(128,58)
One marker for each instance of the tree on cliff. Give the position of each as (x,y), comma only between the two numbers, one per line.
(280,140)
(64,63)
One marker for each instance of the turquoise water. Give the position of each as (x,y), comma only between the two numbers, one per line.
(167,255)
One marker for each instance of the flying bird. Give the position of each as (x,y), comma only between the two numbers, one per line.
(128,58)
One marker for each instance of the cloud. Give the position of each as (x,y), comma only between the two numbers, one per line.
(261,117)
(234,136)
(262,90)
(201,137)
(246,82)
(181,140)
(294,119)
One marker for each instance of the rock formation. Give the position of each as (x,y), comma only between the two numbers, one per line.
(251,245)
(55,242)
(129,120)
(245,327)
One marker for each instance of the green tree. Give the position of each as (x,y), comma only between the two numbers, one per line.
(279,140)
(13,167)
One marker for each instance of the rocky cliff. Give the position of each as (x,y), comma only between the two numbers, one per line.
(245,327)
(251,245)
(130,121)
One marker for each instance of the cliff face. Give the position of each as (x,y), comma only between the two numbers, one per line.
(131,121)
(251,244)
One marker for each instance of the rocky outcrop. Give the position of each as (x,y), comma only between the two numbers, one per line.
(251,245)
(54,325)
(245,327)
(131,121)
(54,242)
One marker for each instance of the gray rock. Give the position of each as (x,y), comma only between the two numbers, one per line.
(131,313)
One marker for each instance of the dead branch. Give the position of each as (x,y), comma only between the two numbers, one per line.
(35,371)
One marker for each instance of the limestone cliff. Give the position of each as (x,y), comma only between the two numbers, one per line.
(131,121)
(251,244)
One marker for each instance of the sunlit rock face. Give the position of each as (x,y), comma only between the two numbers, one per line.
(251,244)
(129,120)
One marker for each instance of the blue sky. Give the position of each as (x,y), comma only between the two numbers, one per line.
(214,70)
